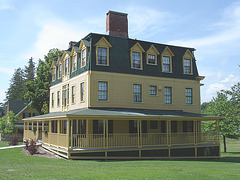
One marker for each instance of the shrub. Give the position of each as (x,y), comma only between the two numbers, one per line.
(31,147)
(14,139)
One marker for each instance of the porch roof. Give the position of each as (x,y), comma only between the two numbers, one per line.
(124,114)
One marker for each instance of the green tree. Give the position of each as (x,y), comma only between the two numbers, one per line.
(39,89)
(7,122)
(17,87)
(226,107)
(30,70)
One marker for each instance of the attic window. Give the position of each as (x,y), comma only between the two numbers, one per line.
(187,66)
(136,60)
(151,59)
(84,53)
(102,56)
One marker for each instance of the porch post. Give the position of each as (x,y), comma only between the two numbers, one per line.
(140,130)
(71,134)
(218,130)
(58,132)
(37,133)
(194,131)
(138,133)
(106,133)
(50,131)
(68,123)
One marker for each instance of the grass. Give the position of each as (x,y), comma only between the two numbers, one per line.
(15,165)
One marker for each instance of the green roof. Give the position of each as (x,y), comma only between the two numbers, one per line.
(101,112)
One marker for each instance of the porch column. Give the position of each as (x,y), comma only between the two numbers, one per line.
(37,133)
(68,124)
(58,132)
(106,133)
(71,134)
(138,133)
(169,132)
(195,131)
(218,130)
(140,130)
(50,131)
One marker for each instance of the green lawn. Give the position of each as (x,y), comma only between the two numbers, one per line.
(15,165)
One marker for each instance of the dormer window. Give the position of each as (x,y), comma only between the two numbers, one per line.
(54,73)
(102,56)
(166,64)
(187,66)
(151,59)
(166,57)
(187,62)
(151,55)
(60,71)
(102,52)
(67,66)
(136,60)
(74,63)
(84,55)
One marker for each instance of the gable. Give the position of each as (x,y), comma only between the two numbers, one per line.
(152,50)
(103,42)
(188,54)
(167,52)
(137,47)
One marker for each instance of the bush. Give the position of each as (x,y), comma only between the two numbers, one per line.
(14,139)
(31,147)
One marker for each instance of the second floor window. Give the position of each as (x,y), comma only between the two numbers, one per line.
(102,91)
(187,66)
(102,56)
(65,95)
(58,98)
(166,64)
(136,60)
(152,90)
(73,94)
(168,95)
(52,99)
(188,95)
(137,93)
(82,92)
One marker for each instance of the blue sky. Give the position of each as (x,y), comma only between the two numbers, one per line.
(29,28)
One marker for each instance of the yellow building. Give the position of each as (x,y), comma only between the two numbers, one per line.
(113,97)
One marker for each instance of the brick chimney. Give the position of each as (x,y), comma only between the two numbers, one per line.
(71,43)
(117,24)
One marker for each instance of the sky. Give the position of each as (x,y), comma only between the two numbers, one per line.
(30,28)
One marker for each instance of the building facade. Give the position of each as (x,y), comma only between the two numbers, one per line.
(113,97)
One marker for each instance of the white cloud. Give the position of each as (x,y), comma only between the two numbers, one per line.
(55,34)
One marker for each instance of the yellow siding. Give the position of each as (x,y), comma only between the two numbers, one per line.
(27,110)
(120,92)
(76,81)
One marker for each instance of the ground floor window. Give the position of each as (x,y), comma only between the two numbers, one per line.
(97,126)
(187,126)
(132,126)
(54,126)
(173,126)
(63,127)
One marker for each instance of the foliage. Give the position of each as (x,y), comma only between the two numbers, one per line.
(30,70)
(7,122)
(17,88)
(38,90)
(225,105)
(14,139)
(31,147)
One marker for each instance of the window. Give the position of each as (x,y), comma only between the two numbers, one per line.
(102,56)
(97,126)
(187,126)
(54,73)
(132,126)
(60,71)
(84,55)
(153,124)
(136,60)
(58,98)
(173,126)
(188,95)
(166,64)
(66,66)
(151,59)
(82,92)
(137,93)
(102,91)
(74,63)
(152,90)
(163,126)
(73,94)
(65,95)
(168,95)
(187,66)
(54,126)
(63,127)
(52,99)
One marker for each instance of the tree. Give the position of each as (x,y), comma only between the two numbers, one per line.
(225,106)
(17,87)
(39,89)
(7,122)
(30,70)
